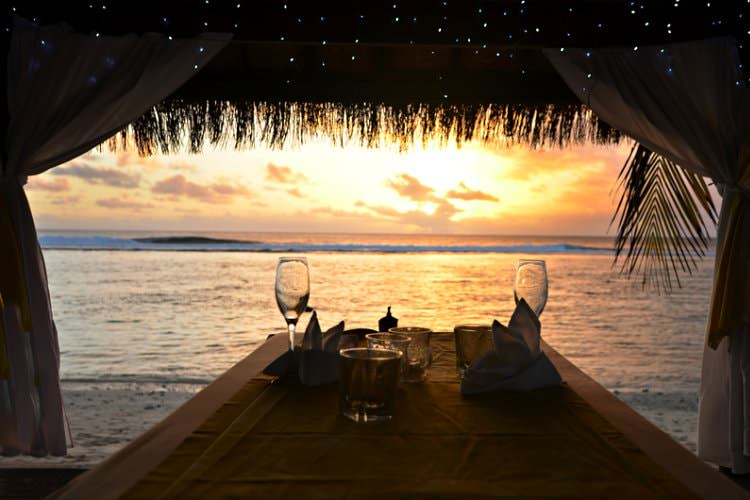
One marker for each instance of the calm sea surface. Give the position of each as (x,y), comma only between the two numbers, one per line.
(130,310)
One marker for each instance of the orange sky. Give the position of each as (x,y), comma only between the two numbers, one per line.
(320,188)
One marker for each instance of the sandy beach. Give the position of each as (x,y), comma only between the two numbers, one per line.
(105,417)
(675,414)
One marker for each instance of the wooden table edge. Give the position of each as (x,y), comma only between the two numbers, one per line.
(702,479)
(116,475)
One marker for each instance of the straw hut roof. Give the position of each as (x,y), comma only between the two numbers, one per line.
(396,72)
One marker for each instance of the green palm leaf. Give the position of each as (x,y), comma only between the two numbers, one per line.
(661,228)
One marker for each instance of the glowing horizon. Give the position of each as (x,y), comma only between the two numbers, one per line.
(319,188)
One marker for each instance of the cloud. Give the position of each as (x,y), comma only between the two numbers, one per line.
(123,202)
(220,192)
(227,189)
(445,210)
(130,159)
(182,166)
(463,192)
(124,158)
(98,175)
(338,212)
(283,175)
(295,192)
(410,187)
(52,185)
(384,210)
(439,220)
(66,200)
(178,185)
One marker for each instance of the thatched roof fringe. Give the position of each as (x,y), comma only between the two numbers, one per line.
(176,125)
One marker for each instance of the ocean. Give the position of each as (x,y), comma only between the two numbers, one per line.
(145,319)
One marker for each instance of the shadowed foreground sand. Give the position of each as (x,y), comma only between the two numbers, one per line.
(104,418)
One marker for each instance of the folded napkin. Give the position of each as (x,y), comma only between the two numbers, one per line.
(516,362)
(316,362)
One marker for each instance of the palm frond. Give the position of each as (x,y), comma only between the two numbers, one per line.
(661,223)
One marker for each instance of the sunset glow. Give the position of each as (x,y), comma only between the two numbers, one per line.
(474,189)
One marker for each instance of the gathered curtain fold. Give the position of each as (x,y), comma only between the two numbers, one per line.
(12,284)
(730,302)
(688,103)
(66,92)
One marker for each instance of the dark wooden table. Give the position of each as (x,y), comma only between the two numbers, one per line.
(245,437)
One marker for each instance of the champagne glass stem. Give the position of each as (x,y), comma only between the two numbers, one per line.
(292,328)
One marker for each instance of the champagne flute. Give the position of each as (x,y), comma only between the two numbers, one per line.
(531,284)
(292,291)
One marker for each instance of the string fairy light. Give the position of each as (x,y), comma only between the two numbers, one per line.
(473,25)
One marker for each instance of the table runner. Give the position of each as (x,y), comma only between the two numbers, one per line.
(273,440)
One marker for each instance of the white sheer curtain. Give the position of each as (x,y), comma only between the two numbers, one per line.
(67,92)
(688,103)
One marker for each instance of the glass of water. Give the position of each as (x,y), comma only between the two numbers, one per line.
(472,340)
(292,291)
(368,379)
(390,341)
(418,353)
(531,284)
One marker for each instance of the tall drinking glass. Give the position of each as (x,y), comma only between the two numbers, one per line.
(292,291)
(531,284)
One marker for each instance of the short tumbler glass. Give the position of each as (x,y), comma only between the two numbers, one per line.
(418,354)
(472,340)
(390,341)
(368,379)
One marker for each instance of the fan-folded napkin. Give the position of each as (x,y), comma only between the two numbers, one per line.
(516,362)
(316,362)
